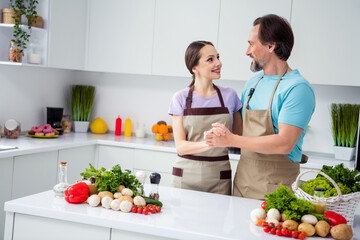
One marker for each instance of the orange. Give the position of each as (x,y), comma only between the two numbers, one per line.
(167,136)
(163,129)
(170,128)
(158,137)
(155,128)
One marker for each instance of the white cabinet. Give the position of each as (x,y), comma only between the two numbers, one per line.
(236,21)
(177,24)
(67,36)
(326,41)
(34,173)
(121,36)
(77,160)
(6,170)
(111,156)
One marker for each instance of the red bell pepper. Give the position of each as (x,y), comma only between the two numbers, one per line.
(77,193)
(334,218)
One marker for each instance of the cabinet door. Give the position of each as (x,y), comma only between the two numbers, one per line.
(236,21)
(34,173)
(121,36)
(326,41)
(177,24)
(110,156)
(67,34)
(77,160)
(6,170)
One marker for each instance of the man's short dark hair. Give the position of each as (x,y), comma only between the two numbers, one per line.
(275,29)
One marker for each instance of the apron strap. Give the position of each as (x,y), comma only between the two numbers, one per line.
(252,90)
(277,83)
(190,94)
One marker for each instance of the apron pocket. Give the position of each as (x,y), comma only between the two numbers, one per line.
(225,174)
(177,177)
(177,172)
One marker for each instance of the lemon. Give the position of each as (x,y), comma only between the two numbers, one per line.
(159,137)
(98,126)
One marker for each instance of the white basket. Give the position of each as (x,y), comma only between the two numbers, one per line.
(344,205)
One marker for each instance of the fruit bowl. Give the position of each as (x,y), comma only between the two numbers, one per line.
(162,131)
(163,137)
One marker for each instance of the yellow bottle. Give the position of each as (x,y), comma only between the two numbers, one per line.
(127,132)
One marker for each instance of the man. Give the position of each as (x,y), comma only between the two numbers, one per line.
(278,105)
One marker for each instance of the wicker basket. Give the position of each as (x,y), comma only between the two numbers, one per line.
(8,16)
(342,204)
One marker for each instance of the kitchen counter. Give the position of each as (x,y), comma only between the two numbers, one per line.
(29,145)
(185,215)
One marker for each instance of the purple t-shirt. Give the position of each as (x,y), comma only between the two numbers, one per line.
(230,97)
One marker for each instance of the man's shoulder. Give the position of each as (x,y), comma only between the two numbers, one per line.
(293,79)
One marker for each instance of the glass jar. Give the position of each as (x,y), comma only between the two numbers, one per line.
(12,129)
(34,53)
(63,184)
(15,54)
(66,124)
(319,202)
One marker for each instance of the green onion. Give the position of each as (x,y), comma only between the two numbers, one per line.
(82,102)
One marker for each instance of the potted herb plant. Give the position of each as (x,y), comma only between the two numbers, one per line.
(28,9)
(81,106)
(345,121)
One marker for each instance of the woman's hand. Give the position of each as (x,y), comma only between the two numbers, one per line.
(218,136)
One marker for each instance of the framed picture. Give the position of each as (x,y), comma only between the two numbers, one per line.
(357,152)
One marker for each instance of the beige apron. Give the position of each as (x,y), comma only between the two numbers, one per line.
(259,174)
(208,171)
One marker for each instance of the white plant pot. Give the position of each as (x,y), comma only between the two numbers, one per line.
(81,126)
(344,153)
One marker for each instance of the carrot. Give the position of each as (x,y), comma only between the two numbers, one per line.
(260,222)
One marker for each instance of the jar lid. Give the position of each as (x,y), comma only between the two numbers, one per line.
(155,178)
(11,124)
(319,189)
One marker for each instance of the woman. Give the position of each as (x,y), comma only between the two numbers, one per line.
(198,166)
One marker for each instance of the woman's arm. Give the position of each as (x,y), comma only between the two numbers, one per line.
(183,146)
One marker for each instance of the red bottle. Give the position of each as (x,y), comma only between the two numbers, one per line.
(118,126)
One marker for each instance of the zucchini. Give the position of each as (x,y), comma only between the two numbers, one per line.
(153,201)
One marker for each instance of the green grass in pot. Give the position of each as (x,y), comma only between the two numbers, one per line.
(345,118)
(82,102)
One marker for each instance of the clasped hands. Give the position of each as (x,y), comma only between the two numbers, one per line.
(217,136)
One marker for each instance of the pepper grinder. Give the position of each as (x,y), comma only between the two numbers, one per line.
(154,180)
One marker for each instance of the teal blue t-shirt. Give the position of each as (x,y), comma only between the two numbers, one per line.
(293,102)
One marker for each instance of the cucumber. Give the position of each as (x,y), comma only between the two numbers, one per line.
(153,202)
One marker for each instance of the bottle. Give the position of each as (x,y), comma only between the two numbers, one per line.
(118,126)
(319,202)
(154,180)
(127,127)
(63,184)
(15,54)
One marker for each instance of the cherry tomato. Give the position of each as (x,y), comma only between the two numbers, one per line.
(272,231)
(263,205)
(302,235)
(289,233)
(294,234)
(264,224)
(134,209)
(278,232)
(284,232)
(271,224)
(278,226)
(152,210)
(266,229)
(139,210)
(158,208)
(145,211)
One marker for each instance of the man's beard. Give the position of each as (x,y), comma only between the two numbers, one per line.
(256,66)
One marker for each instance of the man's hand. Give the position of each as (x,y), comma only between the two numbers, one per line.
(217,136)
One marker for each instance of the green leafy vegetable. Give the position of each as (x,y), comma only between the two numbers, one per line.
(286,202)
(109,180)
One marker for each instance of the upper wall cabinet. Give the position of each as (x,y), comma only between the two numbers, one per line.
(177,24)
(327,36)
(121,36)
(67,37)
(236,21)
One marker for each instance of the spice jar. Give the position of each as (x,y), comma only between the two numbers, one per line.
(12,129)
(66,124)
(15,54)
(319,202)
(154,180)
(34,53)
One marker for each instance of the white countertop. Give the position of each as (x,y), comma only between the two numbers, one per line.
(185,215)
(29,145)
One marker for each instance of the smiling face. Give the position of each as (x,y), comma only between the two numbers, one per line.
(257,51)
(209,65)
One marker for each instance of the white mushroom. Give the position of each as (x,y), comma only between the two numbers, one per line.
(125,206)
(94,200)
(117,195)
(257,214)
(139,201)
(105,201)
(127,192)
(272,220)
(115,204)
(274,213)
(308,218)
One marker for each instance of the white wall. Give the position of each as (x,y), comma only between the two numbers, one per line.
(27,91)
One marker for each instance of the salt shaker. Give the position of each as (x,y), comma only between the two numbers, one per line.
(154,180)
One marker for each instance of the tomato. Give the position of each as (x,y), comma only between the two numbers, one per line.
(284,232)
(302,235)
(158,208)
(145,211)
(278,232)
(139,210)
(271,224)
(264,224)
(294,234)
(289,233)
(134,209)
(263,205)
(152,210)
(266,229)
(272,231)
